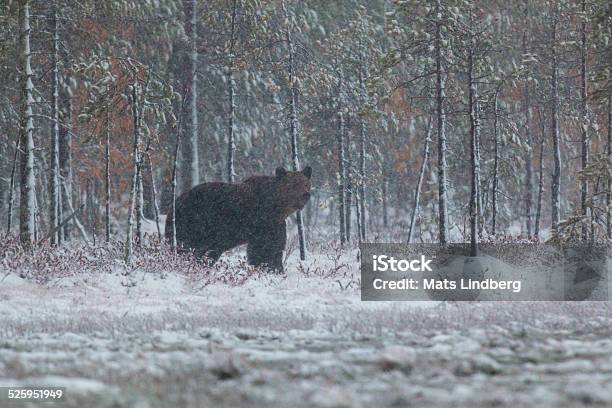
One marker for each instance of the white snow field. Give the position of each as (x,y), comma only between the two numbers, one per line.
(174,333)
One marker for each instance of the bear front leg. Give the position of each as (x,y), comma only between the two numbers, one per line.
(259,256)
(266,245)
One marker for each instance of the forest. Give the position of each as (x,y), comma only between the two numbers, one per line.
(431,121)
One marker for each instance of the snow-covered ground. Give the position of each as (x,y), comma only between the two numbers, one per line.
(226,337)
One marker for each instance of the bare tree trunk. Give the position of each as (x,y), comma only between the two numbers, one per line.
(529,155)
(148,205)
(65,160)
(556,177)
(138,208)
(474,124)
(541,179)
(384,191)
(37,193)
(173,243)
(195,156)
(592,225)
(495,163)
(584,188)
(417,190)
(294,126)
(363,134)
(191,163)
(231,83)
(92,205)
(358,214)
(609,191)
(138,100)
(441,129)
(107,179)
(154,194)
(177,145)
(54,185)
(349,185)
(11,200)
(27,182)
(42,199)
(341,169)
(540,191)
(479,189)
(135,178)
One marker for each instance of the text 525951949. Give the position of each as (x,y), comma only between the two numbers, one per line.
(32,393)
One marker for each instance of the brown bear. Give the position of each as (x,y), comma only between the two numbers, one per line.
(212,218)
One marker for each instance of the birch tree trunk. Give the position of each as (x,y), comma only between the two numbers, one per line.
(609,191)
(349,183)
(556,177)
(474,124)
(441,128)
(173,243)
(417,190)
(495,164)
(174,174)
(384,192)
(146,179)
(363,134)
(138,100)
(134,188)
(195,156)
(190,175)
(27,182)
(11,199)
(584,107)
(231,83)
(37,193)
(154,197)
(540,192)
(341,170)
(479,189)
(529,155)
(54,184)
(91,207)
(358,215)
(65,160)
(294,126)
(541,177)
(107,180)
(138,207)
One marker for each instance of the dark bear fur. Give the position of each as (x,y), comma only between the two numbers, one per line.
(212,218)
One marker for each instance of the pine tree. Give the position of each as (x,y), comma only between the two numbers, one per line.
(27,182)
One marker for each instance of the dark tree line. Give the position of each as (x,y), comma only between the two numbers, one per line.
(437,120)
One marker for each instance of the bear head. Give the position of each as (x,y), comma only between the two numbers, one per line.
(293,188)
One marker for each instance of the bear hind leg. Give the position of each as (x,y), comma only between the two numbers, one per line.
(210,254)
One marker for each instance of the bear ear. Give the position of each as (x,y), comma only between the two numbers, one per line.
(307,171)
(280,172)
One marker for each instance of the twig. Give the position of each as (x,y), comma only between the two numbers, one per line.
(54,230)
